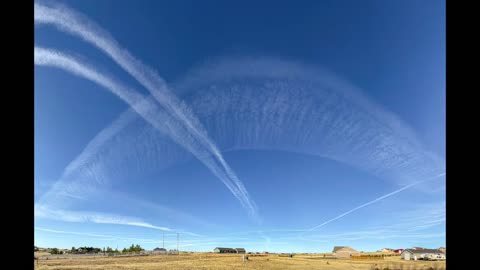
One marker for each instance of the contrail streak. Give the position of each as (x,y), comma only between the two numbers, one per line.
(149,111)
(374,201)
(94,217)
(71,22)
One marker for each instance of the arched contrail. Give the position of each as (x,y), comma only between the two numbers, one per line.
(74,23)
(150,112)
(276,105)
(374,201)
(267,104)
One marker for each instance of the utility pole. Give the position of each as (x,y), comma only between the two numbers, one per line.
(163,244)
(178,251)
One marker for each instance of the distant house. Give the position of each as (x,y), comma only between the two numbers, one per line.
(159,251)
(344,252)
(422,254)
(173,252)
(225,250)
(442,249)
(386,250)
(240,250)
(400,250)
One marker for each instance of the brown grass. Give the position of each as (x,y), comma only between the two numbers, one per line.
(227,261)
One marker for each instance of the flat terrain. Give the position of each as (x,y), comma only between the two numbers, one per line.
(217,262)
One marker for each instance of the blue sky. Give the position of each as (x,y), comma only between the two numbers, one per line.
(293,114)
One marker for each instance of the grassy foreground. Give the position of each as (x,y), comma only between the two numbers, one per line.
(217,262)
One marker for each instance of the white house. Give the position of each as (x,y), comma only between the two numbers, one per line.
(422,254)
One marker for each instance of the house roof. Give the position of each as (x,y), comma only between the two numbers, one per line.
(224,248)
(420,251)
(337,248)
(343,248)
(240,249)
(159,249)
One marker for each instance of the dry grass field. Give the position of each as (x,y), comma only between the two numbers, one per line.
(205,261)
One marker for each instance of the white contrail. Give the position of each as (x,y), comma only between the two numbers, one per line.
(153,114)
(111,237)
(74,233)
(78,25)
(374,201)
(94,217)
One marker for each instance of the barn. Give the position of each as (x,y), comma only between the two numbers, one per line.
(421,254)
(224,250)
(344,252)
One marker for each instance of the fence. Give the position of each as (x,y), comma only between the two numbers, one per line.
(96,255)
(367,257)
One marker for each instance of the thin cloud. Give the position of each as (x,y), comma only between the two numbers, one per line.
(93,217)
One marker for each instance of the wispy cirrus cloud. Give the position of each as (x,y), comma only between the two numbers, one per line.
(278,105)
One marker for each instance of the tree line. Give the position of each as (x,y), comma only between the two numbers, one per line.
(85,250)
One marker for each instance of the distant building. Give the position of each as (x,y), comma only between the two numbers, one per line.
(344,252)
(442,249)
(225,250)
(400,250)
(386,250)
(159,251)
(422,254)
(240,250)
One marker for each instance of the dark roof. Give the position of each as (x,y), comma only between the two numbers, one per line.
(337,248)
(159,249)
(240,249)
(224,248)
(417,251)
